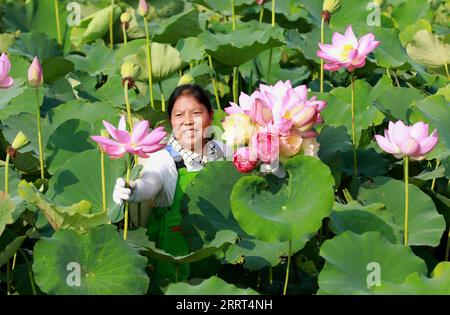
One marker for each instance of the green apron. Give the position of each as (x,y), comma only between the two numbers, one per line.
(164,229)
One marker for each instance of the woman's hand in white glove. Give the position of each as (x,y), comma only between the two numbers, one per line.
(121,192)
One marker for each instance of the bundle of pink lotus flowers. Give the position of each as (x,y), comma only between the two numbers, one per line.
(271,125)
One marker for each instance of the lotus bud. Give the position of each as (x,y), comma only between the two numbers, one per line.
(143,8)
(186,79)
(35,74)
(125,19)
(330,7)
(19,141)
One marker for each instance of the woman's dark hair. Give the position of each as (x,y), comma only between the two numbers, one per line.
(189,90)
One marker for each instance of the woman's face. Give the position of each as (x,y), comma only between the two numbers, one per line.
(189,120)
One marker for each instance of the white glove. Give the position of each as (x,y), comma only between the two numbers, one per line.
(121,192)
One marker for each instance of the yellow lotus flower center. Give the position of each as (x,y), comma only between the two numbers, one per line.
(346,51)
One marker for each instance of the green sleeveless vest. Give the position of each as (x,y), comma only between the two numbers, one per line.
(164,229)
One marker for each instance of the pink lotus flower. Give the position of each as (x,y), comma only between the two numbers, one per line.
(266,145)
(143,7)
(245,160)
(346,51)
(412,141)
(35,74)
(5,66)
(138,142)
(260,1)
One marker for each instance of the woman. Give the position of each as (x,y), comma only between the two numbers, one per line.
(166,174)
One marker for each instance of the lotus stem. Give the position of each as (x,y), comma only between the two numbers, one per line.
(233,15)
(30,271)
(433,183)
(355,161)
(288,267)
(58,25)
(111,18)
(124,31)
(102,167)
(261,14)
(8,277)
(149,64)
(127,103)
(270,275)
(273,13)
(127,178)
(41,150)
(269,67)
(389,75)
(321,60)
(406,174)
(446,71)
(235,83)
(163,100)
(214,82)
(7,174)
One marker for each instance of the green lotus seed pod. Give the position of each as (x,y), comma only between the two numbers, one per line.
(19,141)
(125,17)
(331,5)
(186,79)
(129,70)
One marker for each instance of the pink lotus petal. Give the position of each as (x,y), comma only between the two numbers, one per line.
(6,82)
(419,131)
(399,133)
(385,145)
(111,129)
(105,141)
(140,130)
(367,44)
(350,36)
(7,64)
(410,147)
(122,123)
(429,143)
(123,136)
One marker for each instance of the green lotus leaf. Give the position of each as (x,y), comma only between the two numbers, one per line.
(408,12)
(69,139)
(390,53)
(79,217)
(370,163)
(9,245)
(221,6)
(191,49)
(163,9)
(20,66)
(55,68)
(8,94)
(351,260)
(165,61)
(36,15)
(211,286)
(418,284)
(338,110)
(80,179)
(222,240)
(6,41)
(179,26)
(7,207)
(434,110)
(408,33)
(273,210)
(98,59)
(14,180)
(99,262)
(360,219)
(426,48)
(36,44)
(234,48)
(425,224)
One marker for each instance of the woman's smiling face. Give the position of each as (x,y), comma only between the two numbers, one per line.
(189,119)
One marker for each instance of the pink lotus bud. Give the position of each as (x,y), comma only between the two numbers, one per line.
(245,160)
(35,74)
(267,146)
(143,8)
(412,141)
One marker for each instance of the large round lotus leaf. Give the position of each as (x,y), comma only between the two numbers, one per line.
(191,49)
(338,110)
(36,44)
(165,61)
(427,49)
(285,210)
(173,29)
(222,6)
(55,68)
(211,286)
(408,12)
(14,180)
(99,262)
(79,217)
(9,244)
(360,219)
(407,34)
(7,207)
(434,110)
(36,15)
(390,53)
(247,41)
(350,260)
(418,284)
(425,224)
(80,179)
(98,58)
(69,139)
(15,90)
